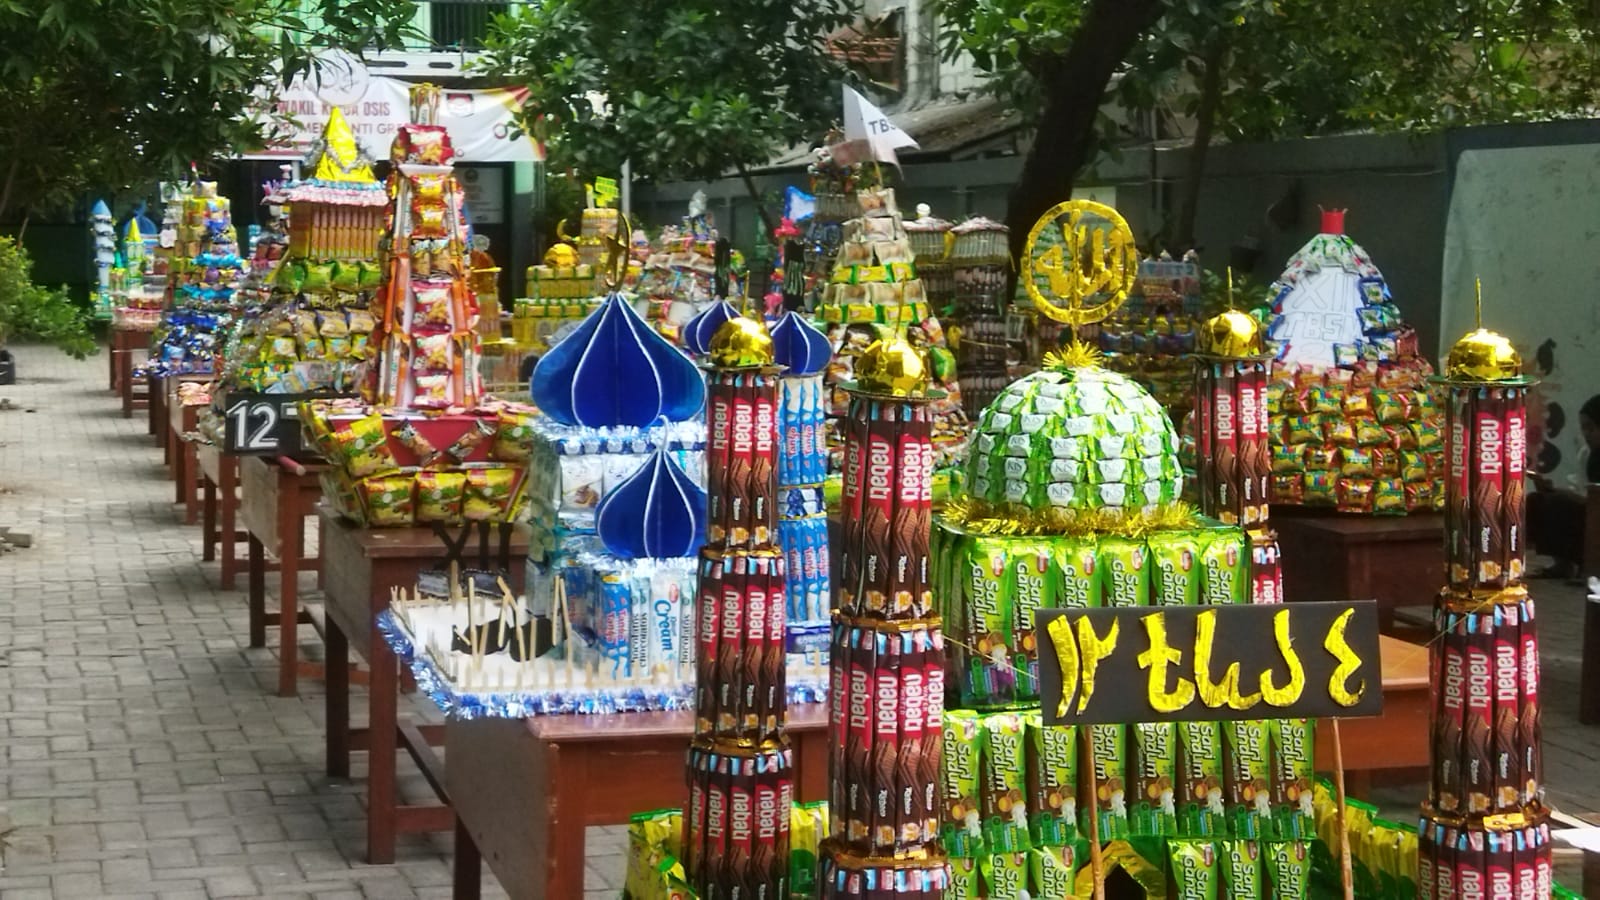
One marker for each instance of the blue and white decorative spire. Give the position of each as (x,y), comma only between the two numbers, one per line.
(697,333)
(614,369)
(798,346)
(658,512)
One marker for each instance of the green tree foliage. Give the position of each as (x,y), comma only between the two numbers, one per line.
(32,312)
(1268,69)
(99,93)
(680,89)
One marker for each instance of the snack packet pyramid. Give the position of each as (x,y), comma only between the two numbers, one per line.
(1353,424)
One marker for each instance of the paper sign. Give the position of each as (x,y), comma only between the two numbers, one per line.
(1205,663)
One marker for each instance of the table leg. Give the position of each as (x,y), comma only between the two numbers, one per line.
(208,521)
(290,526)
(337,700)
(382,732)
(468,866)
(569,776)
(228,473)
(191,479)
(256,580)
(111,361)
(125,381)
(1589,691)
(179,476)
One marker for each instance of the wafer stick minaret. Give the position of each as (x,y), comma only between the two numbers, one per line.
(886,696)
(1484,829)
(741,783)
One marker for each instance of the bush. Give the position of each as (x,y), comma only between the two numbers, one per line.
(30,311)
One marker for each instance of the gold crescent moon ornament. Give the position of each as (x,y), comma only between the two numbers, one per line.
(1079,263)
(618,246)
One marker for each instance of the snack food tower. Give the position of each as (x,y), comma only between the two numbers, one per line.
(1484,830)
(886,696)
(804,353)
(740,767)
(1232,458)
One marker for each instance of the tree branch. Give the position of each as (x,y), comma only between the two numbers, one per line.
(1205,123)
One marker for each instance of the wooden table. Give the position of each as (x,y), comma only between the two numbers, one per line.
(276,496)
(183,419)
(1396,560)
(1397,739)
(125,342)
(219,511)
(362,566)
(524,790)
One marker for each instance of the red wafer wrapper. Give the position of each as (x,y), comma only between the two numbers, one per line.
(909,525)
(780,859)
(1501,865)
(1525,869)
(885,756)
(753,652)
(1515,486)
(721,388)
(708,600)
(876,526)
(739,482)
(851,497)
(1471,865)
(764,462)
(1254,460)
(1543,868)
(1444,863)
(1425,859)
(1477,737)
(839,704)
(1507,708)
(1224,460)
(774,671)
(1200,423)
(932,761)
(1264,434)
(1530,728)
(694,815)
(1450,717)
(730,640)
(714,870)
(910,815)
(1459,526)
(1487,507)
(858,747)
(741,875)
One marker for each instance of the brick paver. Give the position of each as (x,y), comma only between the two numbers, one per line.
(144,751)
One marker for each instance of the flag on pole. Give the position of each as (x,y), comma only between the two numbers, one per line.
(863,121)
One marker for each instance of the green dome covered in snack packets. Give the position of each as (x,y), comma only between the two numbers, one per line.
(1075,437)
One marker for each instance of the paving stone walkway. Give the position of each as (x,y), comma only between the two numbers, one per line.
(144,753)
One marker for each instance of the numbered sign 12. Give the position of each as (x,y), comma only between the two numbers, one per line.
(261,424)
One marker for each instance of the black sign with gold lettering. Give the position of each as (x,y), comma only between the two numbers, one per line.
(1199,663)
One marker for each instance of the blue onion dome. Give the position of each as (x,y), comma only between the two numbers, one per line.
(697,333)
(655,513)
(800,346)
(614,369)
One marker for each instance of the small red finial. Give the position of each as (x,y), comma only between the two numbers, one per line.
(1333,221)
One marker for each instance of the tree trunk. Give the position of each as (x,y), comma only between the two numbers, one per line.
(1074,87)
(11,179)
(1205,122)
(22,230)
(767,221)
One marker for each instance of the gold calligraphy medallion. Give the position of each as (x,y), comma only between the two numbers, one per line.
(1080,262)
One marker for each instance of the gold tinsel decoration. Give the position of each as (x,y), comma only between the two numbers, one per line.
(979,517)
(1075,355)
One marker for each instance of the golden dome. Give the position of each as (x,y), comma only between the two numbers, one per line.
(893,367)
(741,343)
(1483,355)
(1231,334)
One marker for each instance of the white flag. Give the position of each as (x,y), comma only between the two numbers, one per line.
(863,121)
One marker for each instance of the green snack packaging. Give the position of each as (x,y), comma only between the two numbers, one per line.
(1125,571)
(1052,781)
(1200,791)
(962,831)
(1005,783)
(1194,870)
(1006,874)
(808,825)
(1110,745)
(1242,874)
(1293,769)
(1078,582)
(1248,783)
(988,679)
(1225,564)
(965,882)
(1053,870)
(1033,586)
(1155,766)
(1290,867)
(1175,568)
